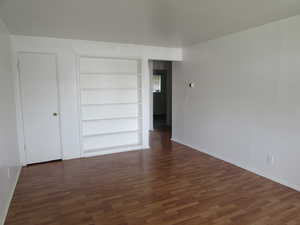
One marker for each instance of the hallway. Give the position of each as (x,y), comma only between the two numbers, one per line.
(169,184)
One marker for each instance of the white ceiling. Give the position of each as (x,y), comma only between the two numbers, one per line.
(151,22)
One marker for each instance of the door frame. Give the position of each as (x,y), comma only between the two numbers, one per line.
(152,72)
(20,97)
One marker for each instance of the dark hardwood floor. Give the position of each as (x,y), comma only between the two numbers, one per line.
(169,184)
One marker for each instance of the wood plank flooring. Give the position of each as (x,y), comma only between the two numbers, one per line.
(170,184)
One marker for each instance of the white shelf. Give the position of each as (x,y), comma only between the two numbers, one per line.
(125,103)
(111,133)
(110,74)
(112,118)
(133,146)
(99,89)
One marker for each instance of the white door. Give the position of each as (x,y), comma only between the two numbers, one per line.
(39,93)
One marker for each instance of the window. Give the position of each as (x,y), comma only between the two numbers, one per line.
(157,83)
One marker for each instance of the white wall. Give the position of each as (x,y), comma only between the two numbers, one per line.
(68,52)
(245,107)
(9,154)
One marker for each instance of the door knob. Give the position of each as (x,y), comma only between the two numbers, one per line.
(55,114)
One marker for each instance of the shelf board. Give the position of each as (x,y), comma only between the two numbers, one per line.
(111,133)
(133,145)
(99,89)
(125,103)
(109,74)
(112,118)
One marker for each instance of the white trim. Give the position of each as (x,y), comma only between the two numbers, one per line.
(253,170)
(59,106)
(150,66)
(144,82)
(19,123)
(11,194)
(79,105)
(20,112)
(18,53)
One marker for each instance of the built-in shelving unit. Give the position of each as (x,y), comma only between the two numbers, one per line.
(111,107)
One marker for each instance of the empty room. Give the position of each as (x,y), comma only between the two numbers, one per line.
(149,112)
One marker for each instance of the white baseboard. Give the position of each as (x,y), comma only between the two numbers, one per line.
(246,167)
(11,194)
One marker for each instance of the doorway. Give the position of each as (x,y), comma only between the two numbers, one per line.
(162,95)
